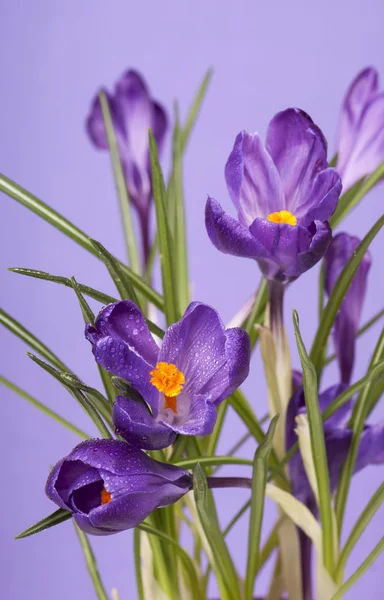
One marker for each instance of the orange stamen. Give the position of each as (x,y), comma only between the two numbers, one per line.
(169,380)
(106,497)
(283,216)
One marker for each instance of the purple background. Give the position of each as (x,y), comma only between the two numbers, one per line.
(266,56)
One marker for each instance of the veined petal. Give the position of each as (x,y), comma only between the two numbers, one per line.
(228,235)
(360,93)
(299,151)
(322,202)
(252,179)
(124,321)
(134,423)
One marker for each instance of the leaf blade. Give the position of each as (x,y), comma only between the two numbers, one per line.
(59,516)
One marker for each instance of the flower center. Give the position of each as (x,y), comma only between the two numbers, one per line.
(167,378)
(106,497)
(283,216)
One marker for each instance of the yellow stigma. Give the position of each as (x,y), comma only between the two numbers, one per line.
(106,497)
(283,216)
(169,380)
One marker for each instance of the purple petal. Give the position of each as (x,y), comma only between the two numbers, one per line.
(322,202)
(197,346)
(95,122)
(361,92)
(341,416)
(134,423)
(367,152)
(201,418)
(348,319)
(159,124)
(117,357)
(228,235)
(124,321)
(252,179)
(238,351)
(298,149)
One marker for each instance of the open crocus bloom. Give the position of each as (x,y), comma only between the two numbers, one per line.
(348,319)
(284,194)
(110,486)
(360,143)
(199,364)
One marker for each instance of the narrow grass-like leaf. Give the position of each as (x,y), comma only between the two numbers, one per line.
(89,317)
(318,448)
(194,110)
(43,408)
(17,329)
(90,561)
(242,407)
(365,565)
(84,289)
(337,295)
(163,235)
(76,393)
(180,234)
(121,187)
(223,565)
(259,481)
(339,401)
(186,559)
(256,317)
(122,283)
(50,215)
(59,516)
(138,566)
(362,330)
(352,197)
(361,524)
(213,439)
(358,419)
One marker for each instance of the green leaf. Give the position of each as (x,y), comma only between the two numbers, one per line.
(339,401)
(361,524)
(222,562)
(242,407)
(195,109)
(213,439)
(67,380)
(47,213)
(163,235)
(362,330)
(121,187)
(138,566)
(337,295)
(365,565)
(43,408)
(352,197)
(180,235)
(122,283)
(59,516)
(84,289)
(90,561)
(188,563)
(259,481)
(257,314)
(89,317)
(359,416)
(17,329)
(318,448)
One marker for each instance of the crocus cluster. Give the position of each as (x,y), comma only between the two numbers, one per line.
(110,485)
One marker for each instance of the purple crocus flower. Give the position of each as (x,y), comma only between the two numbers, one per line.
(199,364)
(284,194)
(348,319)
(133,112)
(110,486)
(360,143)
